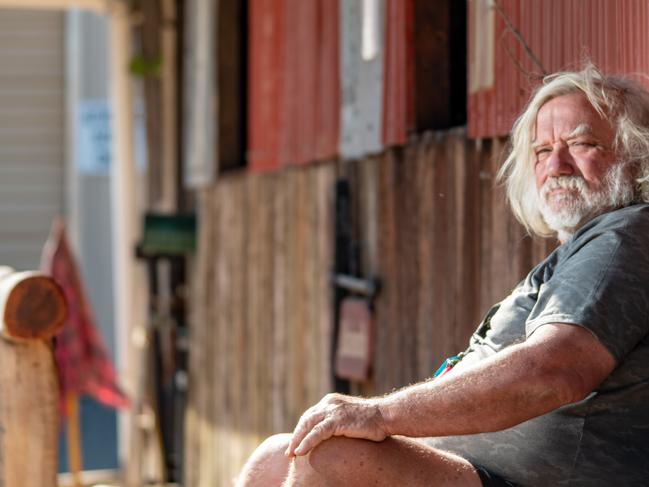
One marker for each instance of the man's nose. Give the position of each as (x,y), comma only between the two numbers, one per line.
(559,162)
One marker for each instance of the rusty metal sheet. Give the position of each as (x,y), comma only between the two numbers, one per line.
(562,34)
(266,60)
(294,101)
(398,101)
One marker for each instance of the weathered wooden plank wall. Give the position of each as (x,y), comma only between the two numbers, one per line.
(430,224)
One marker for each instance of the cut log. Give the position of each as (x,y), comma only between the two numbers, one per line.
(32,308)
(29,414)
(32,305)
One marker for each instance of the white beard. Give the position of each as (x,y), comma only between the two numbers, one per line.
(566,211)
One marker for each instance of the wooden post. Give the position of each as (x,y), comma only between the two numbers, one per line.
(32,309)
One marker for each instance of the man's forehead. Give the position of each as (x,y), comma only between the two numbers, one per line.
(568,112)
(581,129)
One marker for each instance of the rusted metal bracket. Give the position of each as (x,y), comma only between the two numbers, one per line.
(356,285)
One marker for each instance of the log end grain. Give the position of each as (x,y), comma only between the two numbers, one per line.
(34,306)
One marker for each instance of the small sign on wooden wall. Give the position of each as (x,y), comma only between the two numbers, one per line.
(354,350)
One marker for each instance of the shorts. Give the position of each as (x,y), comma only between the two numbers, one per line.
(489,479)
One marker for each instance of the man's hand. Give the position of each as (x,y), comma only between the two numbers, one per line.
(337,415)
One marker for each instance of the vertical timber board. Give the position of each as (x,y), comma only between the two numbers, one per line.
(407,224)
(300,288)
(264,321)
(198,290)
(279,245)
(467,190)
(444,251)
(368,197)
(149,37)
(348,263)
(214,366)
(468,291)
(309,298)
(207,372)
(487,183)
(518,242)
(500,257)
(324,190)
(253,358)
(291,339)
(230,284)
(200,319)
(29,414)
(425,185)
(239,353)
(367,194)
(387,315)
(221,343)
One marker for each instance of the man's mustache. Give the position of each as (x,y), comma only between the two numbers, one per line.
(563,182)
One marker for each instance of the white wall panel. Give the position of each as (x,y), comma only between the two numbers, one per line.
(32,124)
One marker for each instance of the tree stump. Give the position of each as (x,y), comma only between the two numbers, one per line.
(33,309)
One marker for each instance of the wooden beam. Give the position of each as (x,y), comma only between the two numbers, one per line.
(32,307)
(96,5)
(29,414)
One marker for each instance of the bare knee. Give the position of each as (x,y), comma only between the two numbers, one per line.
(348,452)
(275,444)
(333,461)
(394,461)
(268,465)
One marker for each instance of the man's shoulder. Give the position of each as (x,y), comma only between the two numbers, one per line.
(630,222)
(636,214)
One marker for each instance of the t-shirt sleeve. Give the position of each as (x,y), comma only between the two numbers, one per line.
(603,285)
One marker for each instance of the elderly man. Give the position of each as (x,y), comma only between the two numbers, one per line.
(554,387)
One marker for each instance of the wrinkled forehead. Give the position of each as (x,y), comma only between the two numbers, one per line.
(581,129)
(571,115)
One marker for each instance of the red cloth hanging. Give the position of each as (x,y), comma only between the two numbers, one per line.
(84,365)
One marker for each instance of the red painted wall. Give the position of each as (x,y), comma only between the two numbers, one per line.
(398,91)
(614,34)
(294,87)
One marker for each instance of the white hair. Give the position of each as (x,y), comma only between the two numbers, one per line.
(624,102)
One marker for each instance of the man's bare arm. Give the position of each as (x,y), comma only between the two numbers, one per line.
(557,365)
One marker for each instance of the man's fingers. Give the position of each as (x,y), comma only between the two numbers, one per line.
(306,423)
(320,432)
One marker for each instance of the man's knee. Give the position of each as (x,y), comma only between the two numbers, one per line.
(275,443)
(340,450)
(268,465)
(333,461)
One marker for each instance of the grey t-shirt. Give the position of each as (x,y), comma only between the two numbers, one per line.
(598,280)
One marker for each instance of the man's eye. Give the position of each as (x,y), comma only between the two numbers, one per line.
(542,151)
(582,143)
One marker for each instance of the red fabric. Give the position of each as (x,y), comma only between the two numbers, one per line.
(83,363)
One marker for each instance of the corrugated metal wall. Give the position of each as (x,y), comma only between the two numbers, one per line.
(362,67)
(294,85)
(561,33)
(398,94)
(295,99)
(32,120)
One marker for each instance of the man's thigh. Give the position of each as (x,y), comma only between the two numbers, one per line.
(394,461)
